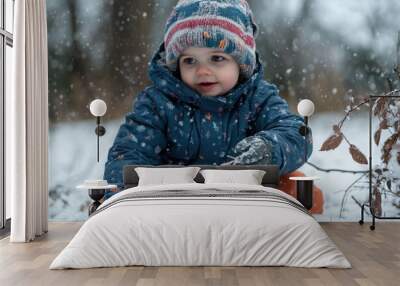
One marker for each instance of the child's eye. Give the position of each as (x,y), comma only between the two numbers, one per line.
(216,58)
(188,61)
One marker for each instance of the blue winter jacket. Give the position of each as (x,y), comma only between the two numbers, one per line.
(173,124)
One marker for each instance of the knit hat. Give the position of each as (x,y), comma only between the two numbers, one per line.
(227,25)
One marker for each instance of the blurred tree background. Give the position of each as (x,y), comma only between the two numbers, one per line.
(329,51)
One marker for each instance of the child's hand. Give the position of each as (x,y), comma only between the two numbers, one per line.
(251,150)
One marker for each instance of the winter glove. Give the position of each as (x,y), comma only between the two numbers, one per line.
(251,150)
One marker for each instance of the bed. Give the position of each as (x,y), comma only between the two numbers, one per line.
(201,224)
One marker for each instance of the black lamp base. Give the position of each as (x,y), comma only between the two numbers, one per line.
(96,195)
(305,193)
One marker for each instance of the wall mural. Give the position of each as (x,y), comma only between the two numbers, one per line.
(333,53)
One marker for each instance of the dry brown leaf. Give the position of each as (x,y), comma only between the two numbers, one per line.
(379,106)
(396,124)
(332,142)
(384,115)
(357,155)
(384,124)
(377,202)
(377,136)
(387,147)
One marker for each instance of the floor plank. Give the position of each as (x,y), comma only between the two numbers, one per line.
(374,255)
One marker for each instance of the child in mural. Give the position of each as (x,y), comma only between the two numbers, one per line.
(208,103)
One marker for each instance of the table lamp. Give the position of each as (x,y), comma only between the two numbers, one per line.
(98,108)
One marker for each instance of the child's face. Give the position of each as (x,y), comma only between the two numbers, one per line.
(208,71)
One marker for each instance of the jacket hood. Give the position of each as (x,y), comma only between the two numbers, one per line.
(174,88)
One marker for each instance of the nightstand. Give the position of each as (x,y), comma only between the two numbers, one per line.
(304,188)
(96,190)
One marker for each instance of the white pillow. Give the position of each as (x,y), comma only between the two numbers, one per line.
(248,177)
(165,176)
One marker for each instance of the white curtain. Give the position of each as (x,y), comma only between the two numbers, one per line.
(27,123)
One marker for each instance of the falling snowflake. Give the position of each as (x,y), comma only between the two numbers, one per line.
(133,138)
(157,149)
(170,106)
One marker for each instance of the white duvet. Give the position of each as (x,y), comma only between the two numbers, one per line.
(225,231)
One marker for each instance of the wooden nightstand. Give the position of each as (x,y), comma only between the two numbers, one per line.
(305,190)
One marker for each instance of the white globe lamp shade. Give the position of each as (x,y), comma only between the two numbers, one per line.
(98,107)
(305,107)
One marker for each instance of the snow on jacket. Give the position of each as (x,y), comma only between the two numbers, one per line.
(173,124)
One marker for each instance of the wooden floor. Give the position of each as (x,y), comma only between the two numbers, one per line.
(374,255)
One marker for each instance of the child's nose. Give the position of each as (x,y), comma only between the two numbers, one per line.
(203,70)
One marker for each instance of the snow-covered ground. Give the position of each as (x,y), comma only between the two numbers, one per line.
(73,160)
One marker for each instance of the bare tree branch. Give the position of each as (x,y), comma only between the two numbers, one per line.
(351,110)
(346,192)
(337,170)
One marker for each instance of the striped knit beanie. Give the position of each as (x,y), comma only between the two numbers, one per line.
(227,25)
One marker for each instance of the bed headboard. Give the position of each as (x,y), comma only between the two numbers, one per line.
(270,179)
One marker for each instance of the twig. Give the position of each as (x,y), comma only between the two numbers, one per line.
(351,110)
(340,124)
(337,170)
(345,139)
(346,192)
(357,202)
(391,92)
(386,192)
